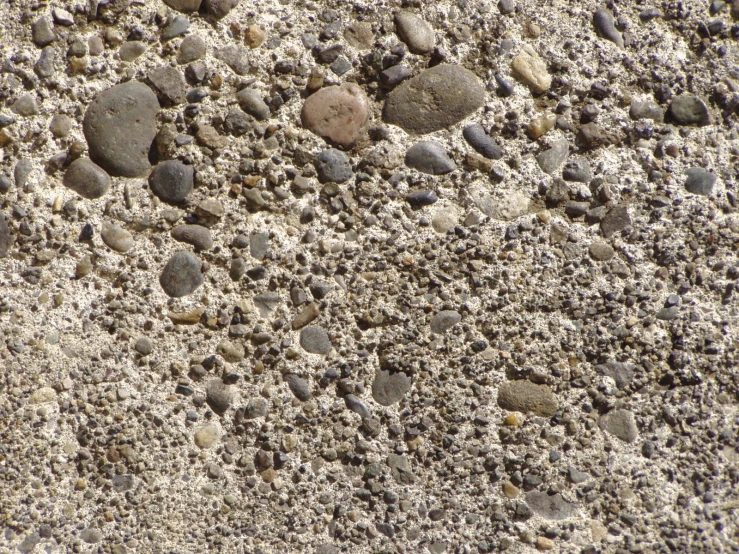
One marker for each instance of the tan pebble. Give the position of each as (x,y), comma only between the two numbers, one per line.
(543,543)
(255,36)
(338,114)
(530,69)
(513,420)
(207,435)
(510,490)
(540,126)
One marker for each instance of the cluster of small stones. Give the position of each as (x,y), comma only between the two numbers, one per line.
(330,276)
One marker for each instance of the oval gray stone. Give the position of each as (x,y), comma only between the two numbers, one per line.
(181,275)
(621,424)
(435,99)
(192,48)
(430,157)
(478,139)
(86,178)
(699,181)
(415,32)
(646,109)
(389,387)
(298,386)
(172,181)
(218,395)
(315,339)
(197,235)
(550,160)
(120,126)
(688,109)
(333,166)
(550,506)
(445,320)
(527,397)
(252,103)
(116,237)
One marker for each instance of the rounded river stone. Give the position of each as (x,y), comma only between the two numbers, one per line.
(86,178)
(182,275)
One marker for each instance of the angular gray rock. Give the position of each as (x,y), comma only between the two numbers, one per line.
(169,84)
(435,99)
(621,372)
(389,387)
(181,275)
(615,220)
(552,159)
(235,57)
(218,395)
(550,506)
(620,424)
(430,157)
(400,469)
(646,109)
(699,181)
(86,178)
(333,166)
(172,181)
(120,126)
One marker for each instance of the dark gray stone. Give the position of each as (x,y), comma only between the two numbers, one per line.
(506,7)
(298,386)
(87,179)
(235,57)
(131,50)
(400,469)
(646,109)
(357,406)
(578,170)
(181,275)
(6,236)
(605,26)
(430,157)
(699,181)
(178,27)
(259,245)
(395,75)
(688,109)
(615,220)
(621,372)
(445,320)
(172,181)
(389,387)
(219,9)
(42,32)
(184,5)
(478,139)
(120,126)
(251,102)
(421,198)
(456,93)
(218,395)
(550,160)
(333,166)
(192,48)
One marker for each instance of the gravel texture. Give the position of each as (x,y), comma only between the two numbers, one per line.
(385,277)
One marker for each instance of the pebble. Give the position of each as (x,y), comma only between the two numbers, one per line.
(235,57)
(400,469)
(395,75)
(42,395)
(177,27)
(172,181)
(170,85)
(337,113)
(256,407)
(298,386)
(184,5)
(429,157)
(207,436)
(219,8)
(87,179)
(357,406)
(120,125)
(540,126)
(444,320)
(615,220)
(144,346)
(553,506)
(116,237)
(255,36)
(605,26)
(62,17)
(531,70)
(45,66)
(258,245)
(359,35)
(688,109)
(506,7)
(91,536)
(25,106)
(421,198)
(699,181)
(333,166)
(668,313)
(192,48)
(42,32)
(389,386)
(591,135)
(476,137)
(552,159)
(132,50)
(196,235)
(219,396)
(527,397)
(578,170)
(620,424)
(646,109)
(251,102)
(601,251)
(443,221)
(181,275)
(306,315)
(622,373)
(457,93)
(315,339)
(415,32)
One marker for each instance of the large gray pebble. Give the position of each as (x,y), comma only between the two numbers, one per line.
(445,320)
(415,32)
(197,235)
(550,160)
(646,109)
(218,395)
(298,386)
(621,424)
(120,126)
(605,26)
(389,387)
(688,109)
(476,137)
(315,339)
(86,178)
(170,85)
(235,57)
(116,237)
(333,166)
(192,48)
(527,397)
(429,157)
(172,181)
(181,275)
(252,103)
(699,181)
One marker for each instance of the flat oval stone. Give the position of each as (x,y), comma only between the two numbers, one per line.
(478,139)
(120,126)
(181,276)
(445,320)
(298,386)
(415,32)
(430,157)
(338,114)
(172,181)
(116,237)
(252,103)
(550,160)
(688,109)
(197,235)
(315,339)
(435,99)
(389,387)
(421,198)
(86,178)
(527,397)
